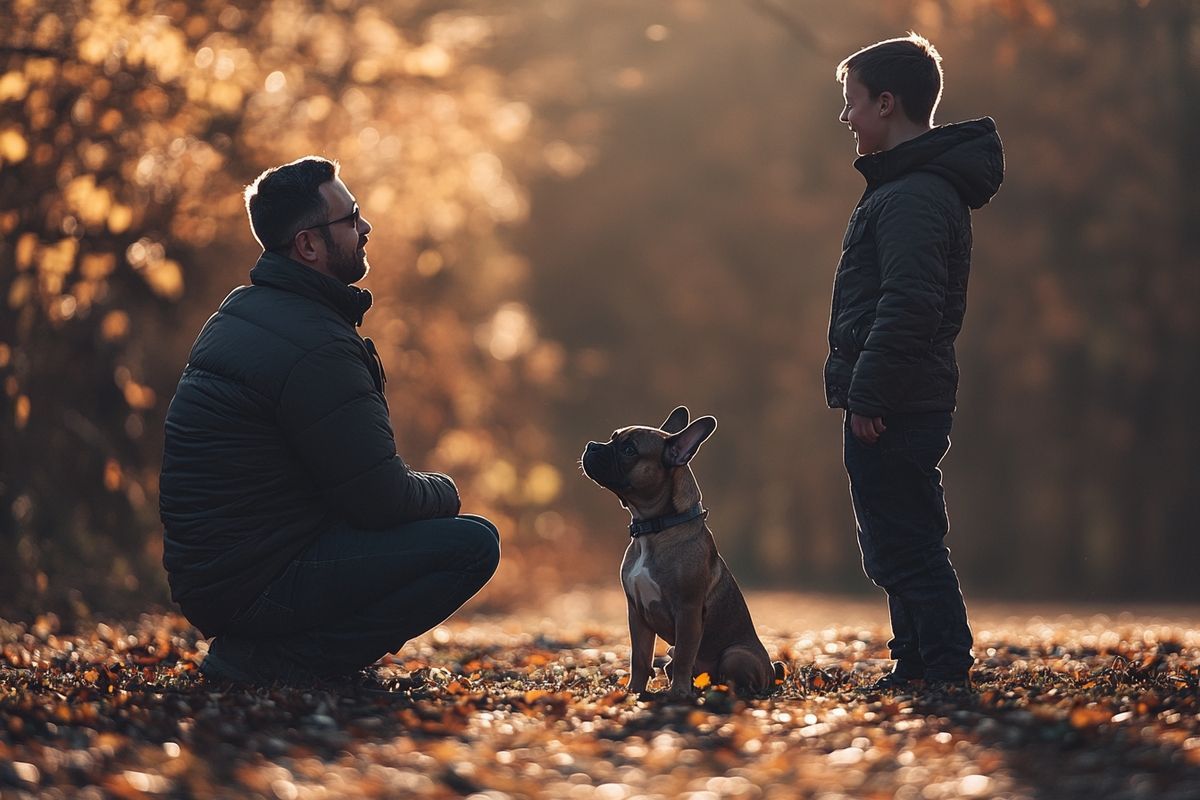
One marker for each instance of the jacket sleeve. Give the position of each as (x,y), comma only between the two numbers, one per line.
(337,423)
(911,239)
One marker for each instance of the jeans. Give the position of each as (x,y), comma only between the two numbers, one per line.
(900,510)
(354,596)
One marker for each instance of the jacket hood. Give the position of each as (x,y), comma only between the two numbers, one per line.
(967,154)
(283,273)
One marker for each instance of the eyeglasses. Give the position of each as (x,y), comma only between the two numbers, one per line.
(354,215)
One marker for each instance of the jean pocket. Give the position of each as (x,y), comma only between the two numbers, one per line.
(927,445)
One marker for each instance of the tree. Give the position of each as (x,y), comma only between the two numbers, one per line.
(135,125)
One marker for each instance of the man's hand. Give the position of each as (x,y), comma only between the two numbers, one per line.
(866,429)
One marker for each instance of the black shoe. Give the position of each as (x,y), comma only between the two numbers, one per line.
(894,683)
(218,670)
(951,687)
(356,684)
(239,661)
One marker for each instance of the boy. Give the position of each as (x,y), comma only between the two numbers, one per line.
(899,295)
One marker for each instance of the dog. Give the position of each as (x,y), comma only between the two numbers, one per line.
(677,586)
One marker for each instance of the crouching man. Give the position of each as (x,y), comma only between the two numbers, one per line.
(294,532)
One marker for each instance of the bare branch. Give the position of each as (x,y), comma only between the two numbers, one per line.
(38,52)
(796,27)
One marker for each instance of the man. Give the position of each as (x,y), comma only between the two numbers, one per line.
(294,532)
(899,297)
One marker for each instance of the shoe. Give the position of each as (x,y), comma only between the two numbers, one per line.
(893,682)
(367,682)
(951,687)
(217,669)
(240,661)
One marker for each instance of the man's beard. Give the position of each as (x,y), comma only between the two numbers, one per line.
(348,266)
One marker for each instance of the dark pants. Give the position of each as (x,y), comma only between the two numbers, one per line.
(354,596)
(900,509)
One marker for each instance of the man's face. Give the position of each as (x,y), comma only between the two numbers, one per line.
(862,114)
(346,259)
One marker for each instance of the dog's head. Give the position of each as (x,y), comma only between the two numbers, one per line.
(637,462)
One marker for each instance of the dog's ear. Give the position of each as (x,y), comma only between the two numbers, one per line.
(676,421)
(680,447)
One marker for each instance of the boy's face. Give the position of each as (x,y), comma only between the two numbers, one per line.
(863,115)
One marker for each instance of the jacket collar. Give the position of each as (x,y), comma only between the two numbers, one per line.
(281,272)
(967,154)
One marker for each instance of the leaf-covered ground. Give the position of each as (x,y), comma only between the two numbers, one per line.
(532,704)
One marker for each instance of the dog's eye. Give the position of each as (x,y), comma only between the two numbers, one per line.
(628,449)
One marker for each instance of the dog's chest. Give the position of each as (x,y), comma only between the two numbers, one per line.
(639,582)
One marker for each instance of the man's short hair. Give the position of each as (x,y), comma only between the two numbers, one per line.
(909,67)
(285,200)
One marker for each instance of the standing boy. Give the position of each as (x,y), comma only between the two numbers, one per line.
(899,296)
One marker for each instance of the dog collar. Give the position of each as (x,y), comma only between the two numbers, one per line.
(642,527)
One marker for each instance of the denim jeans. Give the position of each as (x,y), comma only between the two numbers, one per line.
(900,510)
(354,596)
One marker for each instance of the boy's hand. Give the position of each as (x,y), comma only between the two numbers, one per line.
(866,429)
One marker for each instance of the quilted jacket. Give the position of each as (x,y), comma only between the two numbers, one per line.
(278,427)
(900,291)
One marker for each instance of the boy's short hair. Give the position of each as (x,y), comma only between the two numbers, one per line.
(909,67)
(285,200)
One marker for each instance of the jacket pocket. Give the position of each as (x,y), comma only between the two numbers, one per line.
(852,335)
(855,228)
(860,330)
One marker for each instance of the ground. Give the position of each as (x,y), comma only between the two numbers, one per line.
(1071,704)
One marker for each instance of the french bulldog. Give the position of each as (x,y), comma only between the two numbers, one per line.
(676,584)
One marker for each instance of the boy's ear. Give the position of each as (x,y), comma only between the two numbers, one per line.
(676,421)
(680,447)
(887,104)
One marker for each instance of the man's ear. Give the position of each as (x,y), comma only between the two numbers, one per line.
(304,245)
(680,447)
(676,421)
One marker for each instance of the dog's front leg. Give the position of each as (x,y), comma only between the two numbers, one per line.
(689,627)
(641,641)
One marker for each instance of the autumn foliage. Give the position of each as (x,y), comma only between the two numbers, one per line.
(533,705)
(137,125)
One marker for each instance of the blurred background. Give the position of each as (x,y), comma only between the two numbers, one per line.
(586,213)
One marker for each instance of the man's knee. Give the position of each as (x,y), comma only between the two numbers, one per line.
(485,522)
(482,541)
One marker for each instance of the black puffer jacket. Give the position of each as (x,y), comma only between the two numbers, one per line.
(901,286)
(279,426)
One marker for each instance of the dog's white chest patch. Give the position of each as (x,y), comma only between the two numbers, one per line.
(640,584)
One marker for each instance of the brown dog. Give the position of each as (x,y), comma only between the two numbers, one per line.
(676,583)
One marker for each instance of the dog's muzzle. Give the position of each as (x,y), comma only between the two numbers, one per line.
(600,464)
